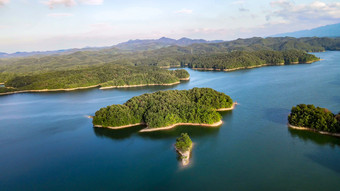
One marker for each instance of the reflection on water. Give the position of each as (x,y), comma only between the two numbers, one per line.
(328,160)
(193,131)
(315,137)
(117,134)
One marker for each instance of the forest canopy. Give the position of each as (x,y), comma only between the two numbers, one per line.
(183,143)
(165,108)
(223,55)
(316,118)
(104,75)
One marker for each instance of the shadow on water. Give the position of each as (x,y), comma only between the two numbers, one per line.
(336,99)
(118,134)
(313,137)
(328,160)
(335,82)
(193,131)
(277,115)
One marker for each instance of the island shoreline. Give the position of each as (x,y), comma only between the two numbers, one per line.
(219,123)
(147,129)
(119,127)
(93,86)
(313,130)
(228,108)
(250,67)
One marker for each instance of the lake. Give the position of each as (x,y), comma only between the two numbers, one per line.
(47,143)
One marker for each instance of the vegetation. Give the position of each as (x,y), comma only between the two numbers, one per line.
(316,118)
(183,143)
(248,52)
(104,75)
(165,108)
(245,59)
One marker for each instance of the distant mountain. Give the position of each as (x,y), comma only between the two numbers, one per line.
(152,44)
(131,45)
(324,31)
(47,53)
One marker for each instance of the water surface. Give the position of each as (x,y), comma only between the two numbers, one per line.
(47,143)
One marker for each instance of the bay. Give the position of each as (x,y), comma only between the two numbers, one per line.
(47,143)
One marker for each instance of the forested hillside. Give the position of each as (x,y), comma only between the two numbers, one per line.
(241,53)
(105,75)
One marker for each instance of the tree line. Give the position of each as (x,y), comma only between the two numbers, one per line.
(104,75)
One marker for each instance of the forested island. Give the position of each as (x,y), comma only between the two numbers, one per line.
(105,76)
(309,117)
(166,109)
(183,146)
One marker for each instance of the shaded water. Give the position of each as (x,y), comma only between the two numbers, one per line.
(47,143)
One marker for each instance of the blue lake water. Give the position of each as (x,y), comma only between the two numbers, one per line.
(47,143)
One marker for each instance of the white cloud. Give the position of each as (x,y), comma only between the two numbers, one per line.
(92,2)
(59,15)
(70,3)
(184,11)
(3,2)
(313,12)
(243,9)
(66,3)
(240,2)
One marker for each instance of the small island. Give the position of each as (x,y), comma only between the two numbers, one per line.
(316,119)
(183,147)
(164,110)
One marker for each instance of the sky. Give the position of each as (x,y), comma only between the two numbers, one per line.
(40,25)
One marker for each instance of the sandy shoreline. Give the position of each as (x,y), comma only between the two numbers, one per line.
(179,124)
(229,108)
(119,127)
(313,130)
(184,79)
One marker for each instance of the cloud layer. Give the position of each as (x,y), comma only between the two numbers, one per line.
(3,2)
(313,12)
(70,3)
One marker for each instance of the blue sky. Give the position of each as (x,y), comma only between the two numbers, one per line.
(28,25)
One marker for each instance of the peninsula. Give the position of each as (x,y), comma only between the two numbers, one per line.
(316,119)
(105,76)
(164,110)
(183,147)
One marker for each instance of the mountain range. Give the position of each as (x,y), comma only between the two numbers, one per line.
(131,45)
(324,31)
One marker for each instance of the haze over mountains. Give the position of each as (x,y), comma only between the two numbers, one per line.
(152,44)
(324,31)
(131,45)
